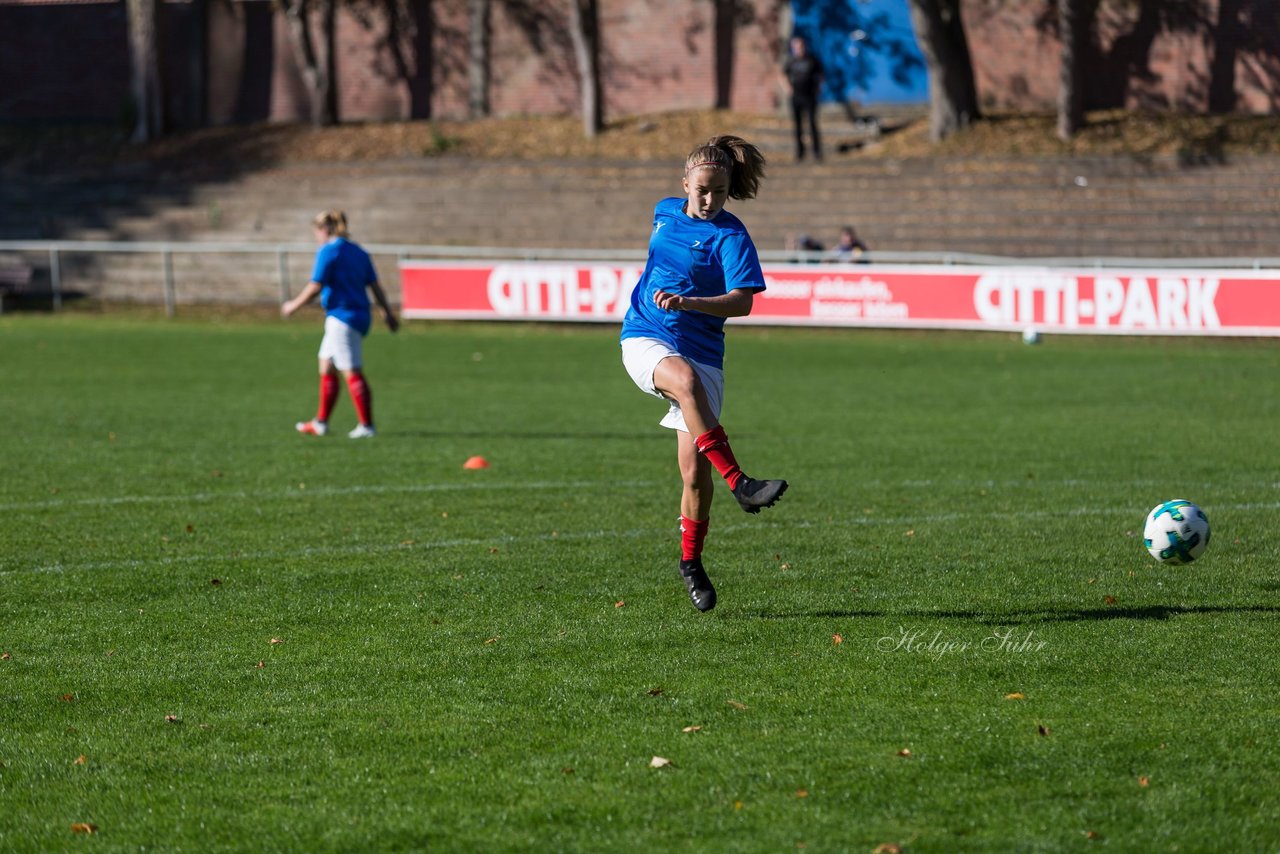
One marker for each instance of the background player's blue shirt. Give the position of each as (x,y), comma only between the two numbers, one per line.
(344,271)
(696,258)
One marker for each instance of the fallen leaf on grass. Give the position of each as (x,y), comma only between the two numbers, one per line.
(737,805)
(261,664)
(84,827)
(1043,730)
(216,582)
(887,848)
(5,656)
(1015,696)
(837,639)
(736,704)
(802,793)
(906,751)
(785,566)
(692,729)
(566,770)
(80,760)
(493,639)
(1144,781)
(276,641)
(619,603)
(1092,834)
(910,533)
(660,762)
(171,719)
(654,692)
(1108,600)
(68,698)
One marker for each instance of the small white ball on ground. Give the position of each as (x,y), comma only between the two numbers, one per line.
(1030,335)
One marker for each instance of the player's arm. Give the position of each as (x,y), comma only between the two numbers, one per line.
(736,303)
(310,292)
(381,299)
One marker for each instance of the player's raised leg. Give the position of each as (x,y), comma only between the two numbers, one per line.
(677,379)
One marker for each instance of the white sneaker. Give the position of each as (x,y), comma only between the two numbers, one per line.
(312,427)
(362,431)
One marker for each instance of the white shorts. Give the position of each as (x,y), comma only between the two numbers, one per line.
(640,356)
(342,344)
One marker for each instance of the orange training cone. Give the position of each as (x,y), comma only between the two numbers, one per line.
(476,463)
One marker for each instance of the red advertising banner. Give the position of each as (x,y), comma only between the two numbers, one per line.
(1130,302)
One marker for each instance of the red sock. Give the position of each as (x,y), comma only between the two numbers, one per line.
(714,445)
(362,397)
(328,396)
(692,533)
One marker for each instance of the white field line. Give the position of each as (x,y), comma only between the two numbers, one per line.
(358,550)
(300,492)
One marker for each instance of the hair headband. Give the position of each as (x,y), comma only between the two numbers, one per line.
(713,164)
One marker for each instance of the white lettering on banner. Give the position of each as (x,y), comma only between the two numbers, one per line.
(776,289)
(864,288)
(552,290)
(1006,298)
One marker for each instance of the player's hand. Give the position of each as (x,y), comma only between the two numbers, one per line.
(393,323)
(668,302)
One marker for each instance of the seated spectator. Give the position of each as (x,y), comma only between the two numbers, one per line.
(849,249)
(803,247)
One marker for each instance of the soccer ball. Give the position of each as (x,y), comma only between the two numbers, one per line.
(1176,532)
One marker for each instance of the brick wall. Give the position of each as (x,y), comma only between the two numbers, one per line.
(69,60)
(1226,57)
(60,62)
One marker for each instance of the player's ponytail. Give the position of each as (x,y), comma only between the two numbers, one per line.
(332,222)
(743,161)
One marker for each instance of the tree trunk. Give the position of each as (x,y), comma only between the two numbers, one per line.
(584,29)
(725,29)
(317,76)
(144,56)
(1073,33)
(953,96)
(478,60)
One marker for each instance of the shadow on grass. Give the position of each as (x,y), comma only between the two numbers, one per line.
(1043,615)
(537,435)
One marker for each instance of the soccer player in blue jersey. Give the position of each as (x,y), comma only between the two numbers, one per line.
(342,274)
(702,269)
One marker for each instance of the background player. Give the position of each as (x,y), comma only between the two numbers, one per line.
(343,273)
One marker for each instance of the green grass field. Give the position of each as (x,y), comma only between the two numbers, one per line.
(217,634)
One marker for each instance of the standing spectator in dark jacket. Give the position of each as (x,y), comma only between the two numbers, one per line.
(802,77)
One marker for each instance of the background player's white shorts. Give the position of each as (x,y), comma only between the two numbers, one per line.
(342,344)
(640,356)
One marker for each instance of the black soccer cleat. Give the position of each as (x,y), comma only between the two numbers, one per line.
(753,495)
(701,593)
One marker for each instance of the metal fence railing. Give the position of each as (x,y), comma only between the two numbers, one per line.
(55,253)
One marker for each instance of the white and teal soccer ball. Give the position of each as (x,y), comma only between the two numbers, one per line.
(1176,532)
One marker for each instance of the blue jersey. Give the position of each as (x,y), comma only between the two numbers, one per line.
(695,258)
(345,271)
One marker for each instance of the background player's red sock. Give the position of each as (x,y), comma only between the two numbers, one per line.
(692,533)
(714,445)
(328,396)
(362,397)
